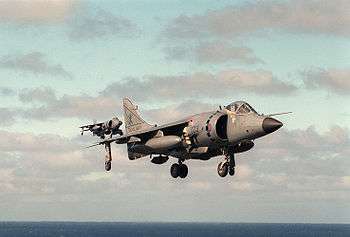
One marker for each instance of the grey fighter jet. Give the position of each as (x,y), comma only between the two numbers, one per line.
(224,132)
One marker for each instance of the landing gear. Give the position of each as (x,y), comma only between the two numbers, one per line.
(227,166)
(108,165)
(108,157)
(232,171)
(183,171)
(232,164)
(223,169)
(174,170)
(179,170)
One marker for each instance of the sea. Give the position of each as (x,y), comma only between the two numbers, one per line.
(101,229)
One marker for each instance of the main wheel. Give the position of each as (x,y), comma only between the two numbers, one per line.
(232,171)
(108,165)
(183,171)
(174,170)
(223,169)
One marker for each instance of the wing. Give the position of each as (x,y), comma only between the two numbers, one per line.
(282,113)
(91,125)
(175,128)
(120,140)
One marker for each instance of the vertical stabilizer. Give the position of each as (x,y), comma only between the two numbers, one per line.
(133,121)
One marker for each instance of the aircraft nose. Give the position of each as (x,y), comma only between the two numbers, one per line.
(270,125)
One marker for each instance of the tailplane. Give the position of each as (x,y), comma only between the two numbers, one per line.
(133,121)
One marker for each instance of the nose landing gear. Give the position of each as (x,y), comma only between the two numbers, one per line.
(227,166)
(179,170)
(223,168)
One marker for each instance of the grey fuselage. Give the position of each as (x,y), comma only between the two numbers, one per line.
(209,134)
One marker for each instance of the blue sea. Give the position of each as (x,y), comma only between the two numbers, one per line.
(87,229)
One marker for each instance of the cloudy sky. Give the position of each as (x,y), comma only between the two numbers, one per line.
(65,63)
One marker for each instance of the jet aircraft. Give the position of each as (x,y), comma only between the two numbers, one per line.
(223,132)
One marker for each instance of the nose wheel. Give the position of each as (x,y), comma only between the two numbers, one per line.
(227,166)
(179,170)
(223,169)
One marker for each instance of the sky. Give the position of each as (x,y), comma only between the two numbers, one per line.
(66,63)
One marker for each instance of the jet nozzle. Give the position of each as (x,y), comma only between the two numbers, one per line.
(270,125)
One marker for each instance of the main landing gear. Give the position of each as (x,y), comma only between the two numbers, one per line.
(227,166)
(179,170)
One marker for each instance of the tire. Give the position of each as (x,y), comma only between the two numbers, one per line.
(175,170)
(223,169)
(183,171)
(108,165)
(232,171)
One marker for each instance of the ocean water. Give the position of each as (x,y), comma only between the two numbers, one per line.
(87,229)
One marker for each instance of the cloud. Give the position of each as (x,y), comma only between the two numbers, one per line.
(38,11)
(34,63)
(345,181)
(333,79)
(306,152)
(39,94)
(100,23)
(47,168)
(46,104)
(184,92)
(7,116)
(81,19)
(6,91)
(314,17)
(200,85)
(94,176)
(27,142)
(178,111)
(212,52)
(33,163)
(201,185)
(42,103)
(319,161)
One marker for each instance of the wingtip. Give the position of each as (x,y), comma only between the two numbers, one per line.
(275,114)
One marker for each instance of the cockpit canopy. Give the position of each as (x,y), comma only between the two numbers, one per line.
(240,107)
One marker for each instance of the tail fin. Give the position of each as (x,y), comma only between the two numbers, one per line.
(133,121)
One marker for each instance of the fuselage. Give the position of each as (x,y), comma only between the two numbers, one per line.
(211,131)
(222,127)
(208,134)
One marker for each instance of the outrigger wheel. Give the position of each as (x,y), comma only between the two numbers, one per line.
(108,165)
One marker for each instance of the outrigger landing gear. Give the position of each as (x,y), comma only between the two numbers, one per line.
(227,166)
(179,170)
(108,157)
